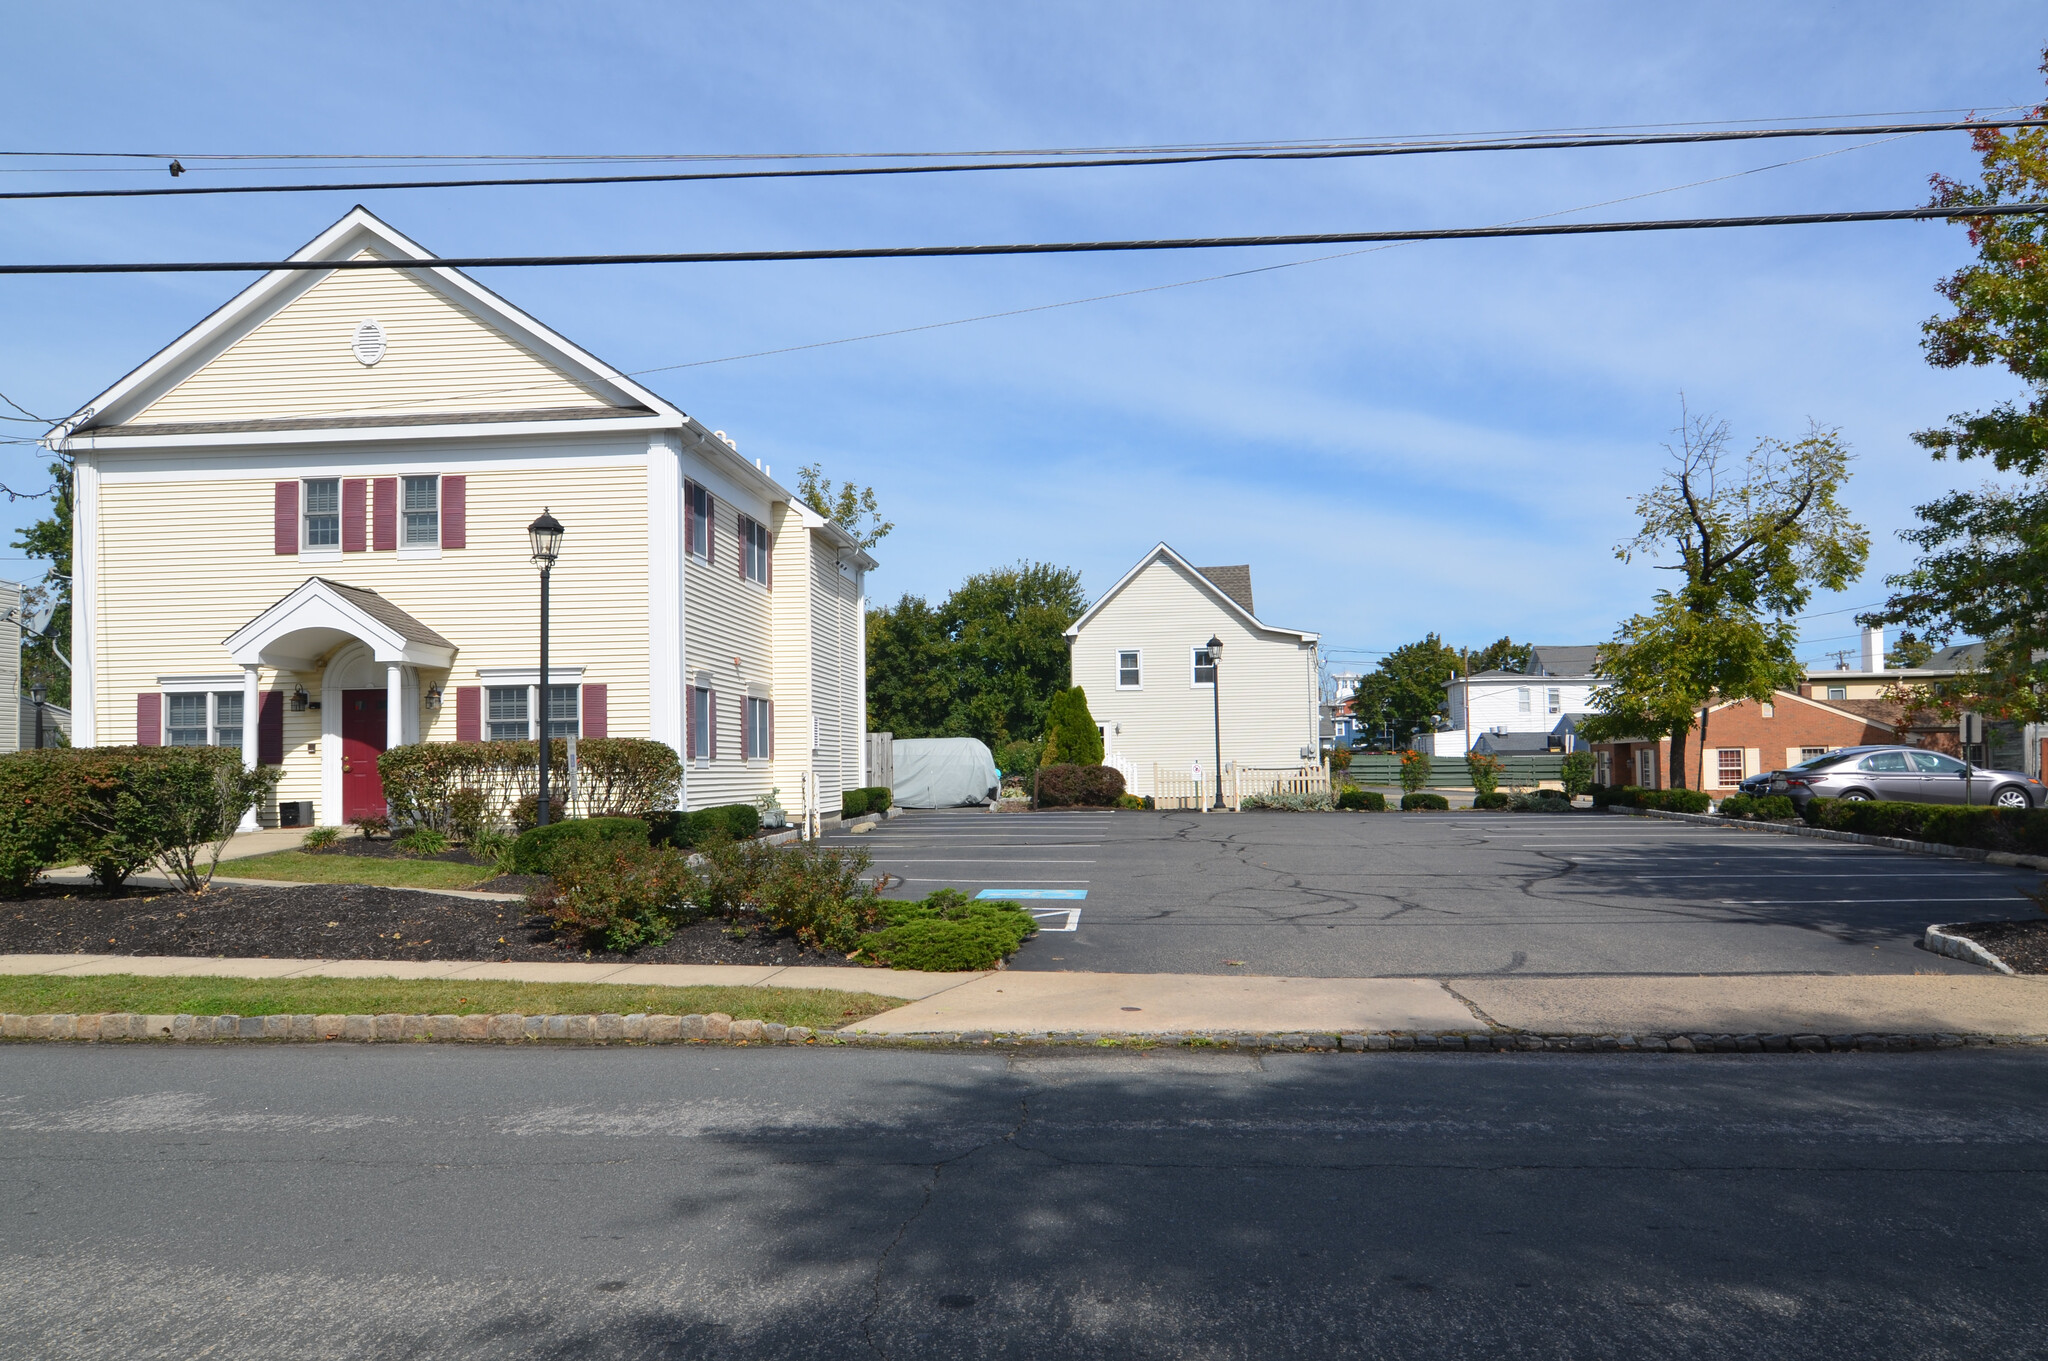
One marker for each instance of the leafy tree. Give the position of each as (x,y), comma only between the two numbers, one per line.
(984,664)
(1752,541)
(1406,689)
(1908,651)
(1504,654)
(1983,570)
(854,509)
(1071,737)
(43,658)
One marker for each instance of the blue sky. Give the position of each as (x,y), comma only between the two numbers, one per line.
(1432,437)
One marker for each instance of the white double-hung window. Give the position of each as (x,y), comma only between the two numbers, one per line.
(422,512)
(323,513)
(203,718)
(510,716)
(760,729)
(754,548)
(1522,699)
(1130,673)
(1553,700)
(1204,667)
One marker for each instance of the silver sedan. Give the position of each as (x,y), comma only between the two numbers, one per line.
(1905,775)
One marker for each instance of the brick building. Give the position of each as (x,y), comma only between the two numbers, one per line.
(1744,738)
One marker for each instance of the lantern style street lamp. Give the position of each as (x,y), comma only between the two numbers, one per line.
(1216,702)
(546,536)
(35,695)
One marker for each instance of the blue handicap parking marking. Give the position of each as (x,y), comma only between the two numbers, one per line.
(1063,893)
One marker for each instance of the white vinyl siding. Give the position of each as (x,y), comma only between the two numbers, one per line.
(438,357)
(727,646)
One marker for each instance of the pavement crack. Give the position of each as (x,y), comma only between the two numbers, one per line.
(1473,1007)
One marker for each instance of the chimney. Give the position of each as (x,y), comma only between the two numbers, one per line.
(1873,648)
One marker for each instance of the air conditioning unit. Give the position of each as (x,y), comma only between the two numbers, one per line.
(295,813)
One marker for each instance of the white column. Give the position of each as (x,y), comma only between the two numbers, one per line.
(394,705)
(251,702)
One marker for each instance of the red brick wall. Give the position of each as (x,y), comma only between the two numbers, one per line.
(1793,723)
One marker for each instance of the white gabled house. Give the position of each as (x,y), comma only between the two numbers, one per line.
(1141,654)
(1517,713)
(301,529)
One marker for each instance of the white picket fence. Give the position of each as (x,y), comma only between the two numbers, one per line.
(1177,788)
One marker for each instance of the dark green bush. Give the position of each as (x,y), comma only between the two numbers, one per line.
(1616,796)
(1993,829)
(877,796)
(460,788)
(1071,735)
(818,893)
(1737,806)
(947,931)
(1577,773)
(853,803)
(1130,801)
(617,893)
(1776,808)
(1065,786)
(1019,757)
(730,821)
(1541,801)
(1676,800)
(537,848)
(1489,799)
(1425,803)
(1362,800)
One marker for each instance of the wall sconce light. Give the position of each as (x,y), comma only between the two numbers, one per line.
(432,700)
(299,699)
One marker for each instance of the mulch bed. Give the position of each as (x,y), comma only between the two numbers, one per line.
(341,921)
(2021,944)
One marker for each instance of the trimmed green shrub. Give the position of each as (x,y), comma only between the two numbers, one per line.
(853,803)
(947,931)
(460,788)
(1484,768)
(1615,795)
(1540,801)
(1130,801)
(1020,757)
(881,798)
(2021,830)
(538,848)
(1413,802)
(1064,786)
(730,821)
(1490,799)
(1577,773)
(1362,800)
(1776,808)
(615,892)
(1414,771)
(1292,803)
(1676,800)
(1071,737)
(818,893)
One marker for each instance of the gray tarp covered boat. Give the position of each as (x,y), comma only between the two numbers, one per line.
(943,772)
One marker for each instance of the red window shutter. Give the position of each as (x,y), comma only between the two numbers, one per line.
(285,518)
(596,721)
(270,730)
(355,492)
(384,515)
(149,708)
(690,723)
(711,705)
(469,713)
(455,512)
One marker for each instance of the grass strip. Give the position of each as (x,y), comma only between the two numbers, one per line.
(819,1008)
(308,867)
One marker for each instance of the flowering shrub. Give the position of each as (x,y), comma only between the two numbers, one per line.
(1414,770)
(1292,803)
(1484,767)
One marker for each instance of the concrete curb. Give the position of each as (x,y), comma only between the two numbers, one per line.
(609,1028)
(1895,843)
(1942,942)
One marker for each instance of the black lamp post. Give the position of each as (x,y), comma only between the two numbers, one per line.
(546,535)
(35,695)
(1216,702)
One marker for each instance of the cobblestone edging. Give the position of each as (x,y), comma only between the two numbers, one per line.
(1896,843)
(610,1028)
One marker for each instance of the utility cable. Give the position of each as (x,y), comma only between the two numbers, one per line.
(1402,149)
(1971,213)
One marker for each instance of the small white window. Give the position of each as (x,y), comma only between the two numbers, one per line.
(1838,692)
(203,719)
(1769,710)
(323,512)
(509,719)
(1129,674)
(700,722)
(1204,667)
(697,520)
(423,512)
(1810,753)
(1553,700)
(760,728)
(1522,699)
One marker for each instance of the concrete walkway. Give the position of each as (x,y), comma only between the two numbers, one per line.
(1015,1001)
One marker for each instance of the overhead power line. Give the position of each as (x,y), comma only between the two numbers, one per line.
(1311,154)
(1037,248)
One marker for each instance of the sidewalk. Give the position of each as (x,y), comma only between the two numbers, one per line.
(1011,1001)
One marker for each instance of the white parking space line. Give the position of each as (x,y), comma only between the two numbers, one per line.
(1069,918)
(1802,902)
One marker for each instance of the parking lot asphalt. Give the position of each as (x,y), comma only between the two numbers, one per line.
(1447,894)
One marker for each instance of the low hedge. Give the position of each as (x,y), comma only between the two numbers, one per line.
(1663,800)
(1064,786)
(465,788)
(872,799)
(1490,799)
(1362,800)
(1541,801)
(946,932)
(538,848)
(1425,803)
(1766,808)
(2023,830)
(730,821)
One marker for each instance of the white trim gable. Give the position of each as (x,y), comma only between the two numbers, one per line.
(295,632)
(357,231)
(1163,552)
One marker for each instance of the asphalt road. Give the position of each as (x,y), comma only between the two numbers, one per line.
(1450,894)
(435,1202)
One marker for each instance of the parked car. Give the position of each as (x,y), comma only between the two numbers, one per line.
(1902,774)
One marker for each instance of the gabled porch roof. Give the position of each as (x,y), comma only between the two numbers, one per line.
(298,630)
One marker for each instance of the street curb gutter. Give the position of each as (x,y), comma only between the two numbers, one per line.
(511,1028)
(1939,940)
(1895,843)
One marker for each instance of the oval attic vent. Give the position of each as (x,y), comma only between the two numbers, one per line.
(368,345)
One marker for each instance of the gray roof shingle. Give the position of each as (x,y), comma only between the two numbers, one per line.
(1235,582)
(386,613)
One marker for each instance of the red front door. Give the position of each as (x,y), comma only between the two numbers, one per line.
(362,739)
